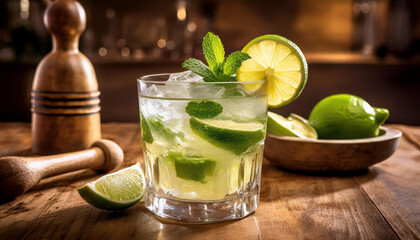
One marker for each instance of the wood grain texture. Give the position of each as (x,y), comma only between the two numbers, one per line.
(395,186)
(381,203)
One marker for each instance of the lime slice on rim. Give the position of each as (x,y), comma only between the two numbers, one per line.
(293,126)
(280,62)
(228,135)
(115,191)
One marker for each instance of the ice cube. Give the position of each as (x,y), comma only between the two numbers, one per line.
(175,91)
(186,76)
(167,91)
(243,109)
(206,91)
(171,112)
(154,91)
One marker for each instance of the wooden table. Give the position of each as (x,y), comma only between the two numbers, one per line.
(382,203)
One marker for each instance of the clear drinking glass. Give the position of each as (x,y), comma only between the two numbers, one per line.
(202,147)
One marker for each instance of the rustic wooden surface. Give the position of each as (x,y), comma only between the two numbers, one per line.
(381,203)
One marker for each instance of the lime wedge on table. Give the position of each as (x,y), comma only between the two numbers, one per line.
(293,126)
(228,135)
(115,191)
(280,62)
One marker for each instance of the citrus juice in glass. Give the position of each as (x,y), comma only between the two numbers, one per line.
(203,130)
(203,146)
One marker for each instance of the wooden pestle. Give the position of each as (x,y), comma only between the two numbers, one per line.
(19,174)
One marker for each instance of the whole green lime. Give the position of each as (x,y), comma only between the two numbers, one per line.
(345,116)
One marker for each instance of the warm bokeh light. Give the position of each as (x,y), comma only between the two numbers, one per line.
(102,52)
(161,43)
(139,54)
(125,52)
(121,42)
(191,26)
(181,12)
(24,9)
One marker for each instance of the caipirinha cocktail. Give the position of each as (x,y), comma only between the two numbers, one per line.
(203,130)
(204,148)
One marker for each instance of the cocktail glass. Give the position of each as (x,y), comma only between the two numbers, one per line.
(202,146)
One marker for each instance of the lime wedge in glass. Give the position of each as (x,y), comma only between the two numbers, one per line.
(115,191)
(191,168)
(293,126)
(279,61)
(226,134)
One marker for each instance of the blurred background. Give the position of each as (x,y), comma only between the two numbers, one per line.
(370,48)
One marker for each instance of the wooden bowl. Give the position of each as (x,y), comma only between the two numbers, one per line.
(314,155)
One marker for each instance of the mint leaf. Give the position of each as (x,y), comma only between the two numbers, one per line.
(158,126)
(203,109)
(226,78)
(213,52)
(209,79)
(218,70)
(198,67)
(146,134)
(191,168)
(234,61)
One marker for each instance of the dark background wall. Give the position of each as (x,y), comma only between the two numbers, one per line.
(393,86)
(369,48)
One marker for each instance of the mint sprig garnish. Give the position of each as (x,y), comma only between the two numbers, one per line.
(234,61)
(217,70)
(213,51)
(199,68)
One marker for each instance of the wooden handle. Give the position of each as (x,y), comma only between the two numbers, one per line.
(19,174)
(57,164)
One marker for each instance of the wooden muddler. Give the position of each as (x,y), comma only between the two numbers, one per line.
(19,174)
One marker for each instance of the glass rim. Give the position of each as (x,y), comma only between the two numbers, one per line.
(143,80)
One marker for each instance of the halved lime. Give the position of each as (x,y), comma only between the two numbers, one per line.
(293,126)
(115,191)
(232,136)
(280,62)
